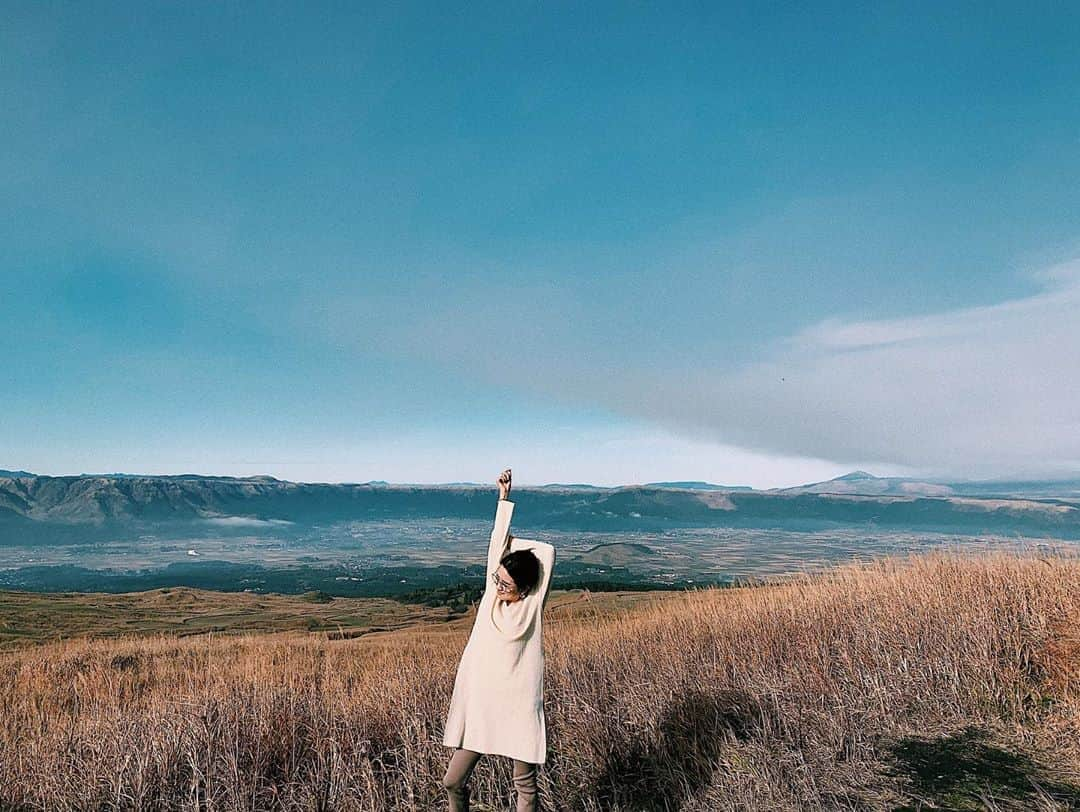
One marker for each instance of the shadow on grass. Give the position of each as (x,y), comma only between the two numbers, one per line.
(661,771)
(965,770)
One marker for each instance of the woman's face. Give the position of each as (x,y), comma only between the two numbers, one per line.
(505,588)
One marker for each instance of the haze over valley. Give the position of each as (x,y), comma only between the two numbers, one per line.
(126,532)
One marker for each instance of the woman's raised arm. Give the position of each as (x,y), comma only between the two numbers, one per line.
(500,533)
(546,554)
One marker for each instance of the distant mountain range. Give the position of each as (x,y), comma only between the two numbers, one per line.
(862,483)
(43,509)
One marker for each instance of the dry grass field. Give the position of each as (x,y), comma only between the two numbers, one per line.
(30,617)
(27,617)
(941,681)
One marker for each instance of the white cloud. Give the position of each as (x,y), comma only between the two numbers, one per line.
(980,391)
(246,521)
(983,391)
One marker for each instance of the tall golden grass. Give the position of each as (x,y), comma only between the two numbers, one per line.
(771,697)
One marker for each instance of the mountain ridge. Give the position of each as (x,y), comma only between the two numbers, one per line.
(61,509)
(853,482)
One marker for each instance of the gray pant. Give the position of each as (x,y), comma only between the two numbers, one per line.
(456,781)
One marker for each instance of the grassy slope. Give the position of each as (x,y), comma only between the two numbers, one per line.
(29,617)
(937,682)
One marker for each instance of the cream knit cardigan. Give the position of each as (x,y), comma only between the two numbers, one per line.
(498,701)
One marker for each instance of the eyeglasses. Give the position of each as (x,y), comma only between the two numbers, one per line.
(501,585)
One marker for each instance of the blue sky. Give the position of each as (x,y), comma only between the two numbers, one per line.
(751,244)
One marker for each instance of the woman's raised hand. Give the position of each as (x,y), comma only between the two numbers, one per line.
(504,484)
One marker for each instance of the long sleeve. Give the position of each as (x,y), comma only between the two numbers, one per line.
(500,533)
(546,555)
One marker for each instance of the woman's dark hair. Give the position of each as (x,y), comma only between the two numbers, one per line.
(524,567)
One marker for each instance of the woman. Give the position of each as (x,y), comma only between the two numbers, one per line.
(498,702)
